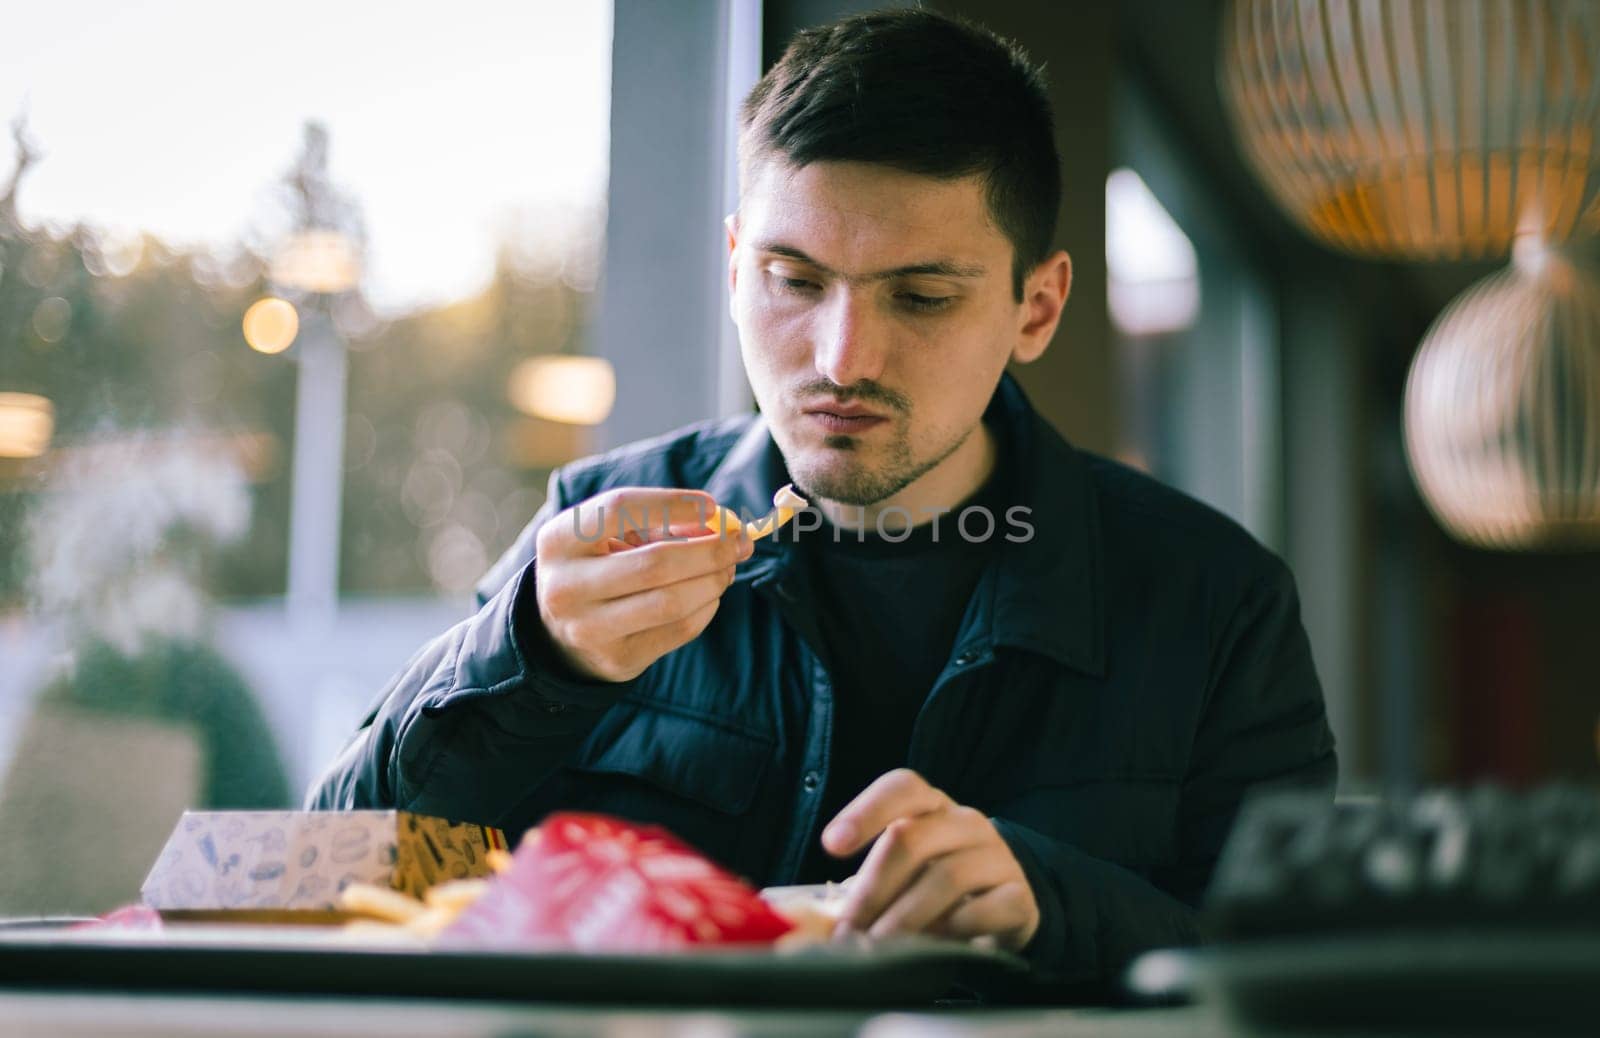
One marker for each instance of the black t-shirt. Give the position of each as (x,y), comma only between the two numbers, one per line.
(888,609)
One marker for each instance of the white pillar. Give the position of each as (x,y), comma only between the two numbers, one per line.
(318,474)
(661,316)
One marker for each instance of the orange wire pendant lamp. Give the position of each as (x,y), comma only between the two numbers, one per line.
(1502,406)
(1420,129)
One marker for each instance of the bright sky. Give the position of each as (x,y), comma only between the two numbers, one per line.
(448,122)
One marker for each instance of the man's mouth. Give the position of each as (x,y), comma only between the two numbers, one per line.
(843,410)
(843,418)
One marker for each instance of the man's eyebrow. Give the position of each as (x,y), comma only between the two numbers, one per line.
(936,268)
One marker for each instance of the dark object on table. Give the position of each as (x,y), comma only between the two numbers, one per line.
(306,961)
(1441,911)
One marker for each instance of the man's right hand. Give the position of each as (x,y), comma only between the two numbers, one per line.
(614,601)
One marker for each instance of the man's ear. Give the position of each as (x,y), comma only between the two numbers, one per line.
(1044,295)
(730,223)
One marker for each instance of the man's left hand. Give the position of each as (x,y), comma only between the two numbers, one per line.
(936,866)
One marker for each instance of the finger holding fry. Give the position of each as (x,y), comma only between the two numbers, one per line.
(785,503)
(612,608)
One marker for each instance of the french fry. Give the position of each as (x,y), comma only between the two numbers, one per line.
(785,503)
(455,895)
(361,930)
(431,921)
(392,913)
(380,903)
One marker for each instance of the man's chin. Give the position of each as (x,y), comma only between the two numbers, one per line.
(841,480)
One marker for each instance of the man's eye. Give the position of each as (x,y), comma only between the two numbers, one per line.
(925,303)
(798,286)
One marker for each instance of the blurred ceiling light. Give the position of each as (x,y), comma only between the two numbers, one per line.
(575,390)
(120,253)
(1502,406)
(322,261)
(270,325)
(51,318)
(1154,275)
(1420,129)
(27,421)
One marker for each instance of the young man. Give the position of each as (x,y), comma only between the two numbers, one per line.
(1014,689)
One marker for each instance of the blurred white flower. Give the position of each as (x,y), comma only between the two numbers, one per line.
(119,531)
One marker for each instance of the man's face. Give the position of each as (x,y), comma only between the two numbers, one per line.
(875,315)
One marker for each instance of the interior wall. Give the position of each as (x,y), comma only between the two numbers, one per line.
(658,303)
(1074,384)
(1324,471)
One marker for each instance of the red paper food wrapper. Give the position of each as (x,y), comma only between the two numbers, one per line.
(128,917)
(594,883)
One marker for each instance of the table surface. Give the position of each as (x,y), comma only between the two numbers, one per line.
(73,1015)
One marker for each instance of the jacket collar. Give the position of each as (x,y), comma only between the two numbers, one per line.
(1043,594)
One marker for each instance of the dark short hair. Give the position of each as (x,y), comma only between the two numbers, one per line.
(921,92)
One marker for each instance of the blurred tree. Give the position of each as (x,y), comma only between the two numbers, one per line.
(134,334)
(117,549)
(189,683)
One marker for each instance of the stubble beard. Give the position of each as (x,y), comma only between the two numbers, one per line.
(843,477)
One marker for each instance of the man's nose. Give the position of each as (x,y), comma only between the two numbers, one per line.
(850,346)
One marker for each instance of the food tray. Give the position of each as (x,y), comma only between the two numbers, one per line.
(311,961)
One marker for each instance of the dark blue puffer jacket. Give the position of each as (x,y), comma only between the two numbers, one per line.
(1122,680)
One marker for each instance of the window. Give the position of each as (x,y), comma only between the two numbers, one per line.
(286,295)
(1196,324)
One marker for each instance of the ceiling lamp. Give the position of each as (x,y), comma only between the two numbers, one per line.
(1502,407)
(27,421)
(1420,129)
(564,388)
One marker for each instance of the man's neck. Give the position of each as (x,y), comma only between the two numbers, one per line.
(938,490)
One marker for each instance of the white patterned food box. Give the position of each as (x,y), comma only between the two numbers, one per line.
(291,865)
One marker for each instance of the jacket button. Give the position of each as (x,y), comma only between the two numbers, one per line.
(811,781)
(965,658)
(555,708)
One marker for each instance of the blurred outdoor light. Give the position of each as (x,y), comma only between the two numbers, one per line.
(1502,407)
(1420,129)
(575,390)
(27,421)
(322,261)
(1154,274)
(51,318)
(270,325)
